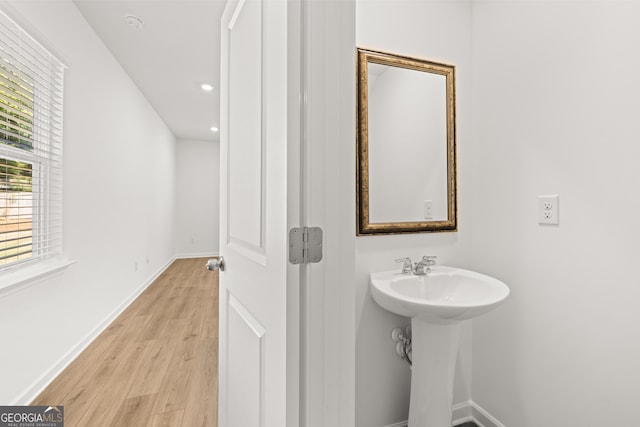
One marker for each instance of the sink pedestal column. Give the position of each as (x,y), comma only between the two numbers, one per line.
(434,352)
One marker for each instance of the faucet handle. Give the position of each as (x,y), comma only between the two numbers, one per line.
(407,265)
(429,260)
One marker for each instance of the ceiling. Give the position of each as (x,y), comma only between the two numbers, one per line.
(176,50)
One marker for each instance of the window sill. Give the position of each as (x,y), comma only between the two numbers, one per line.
(11,281)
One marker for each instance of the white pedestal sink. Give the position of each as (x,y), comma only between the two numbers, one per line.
(436,304)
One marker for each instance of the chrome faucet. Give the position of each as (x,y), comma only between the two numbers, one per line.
(419,268)
(424,266)
(407,265)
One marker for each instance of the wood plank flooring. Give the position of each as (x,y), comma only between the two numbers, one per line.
(155,365)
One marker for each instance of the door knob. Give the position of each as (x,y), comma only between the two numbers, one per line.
(215,264)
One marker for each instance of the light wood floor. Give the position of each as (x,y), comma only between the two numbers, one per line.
(155,365)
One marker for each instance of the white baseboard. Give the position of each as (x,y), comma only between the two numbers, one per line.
(56,369)
(463,413)
(483,418)
(198,255)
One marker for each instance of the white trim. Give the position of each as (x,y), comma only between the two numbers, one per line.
(197,255)
(463,413)
(483,418)
(34,33)
(27,396)
(328,161)
(24,276)
(296,274)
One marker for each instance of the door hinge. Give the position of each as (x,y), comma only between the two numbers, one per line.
(305,245)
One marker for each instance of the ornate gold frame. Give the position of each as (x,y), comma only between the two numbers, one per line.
(364,227)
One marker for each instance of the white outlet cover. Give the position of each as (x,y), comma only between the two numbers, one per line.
(428,209)
(548,210)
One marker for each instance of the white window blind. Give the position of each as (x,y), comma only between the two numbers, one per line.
(31,89)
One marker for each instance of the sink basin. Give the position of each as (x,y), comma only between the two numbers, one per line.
(436,303)
(446,295)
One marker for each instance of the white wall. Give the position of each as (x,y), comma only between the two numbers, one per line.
(439,31)
(119,186)
(197,198)
(556,97)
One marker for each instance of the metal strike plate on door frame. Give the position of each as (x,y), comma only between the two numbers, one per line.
(305,245)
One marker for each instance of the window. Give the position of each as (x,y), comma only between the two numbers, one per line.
(31,87)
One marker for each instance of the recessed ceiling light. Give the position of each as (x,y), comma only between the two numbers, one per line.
(134,21)
(214,129)
(206,87)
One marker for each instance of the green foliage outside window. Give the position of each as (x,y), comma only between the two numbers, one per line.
(16,197)
(16,110)
(15,176)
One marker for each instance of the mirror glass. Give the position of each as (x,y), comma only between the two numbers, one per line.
(406,145)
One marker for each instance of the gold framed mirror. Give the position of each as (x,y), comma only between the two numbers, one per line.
(406,145)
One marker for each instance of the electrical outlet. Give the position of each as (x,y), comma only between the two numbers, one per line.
(428,209)
(548,210)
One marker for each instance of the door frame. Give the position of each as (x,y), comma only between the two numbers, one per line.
(327,185)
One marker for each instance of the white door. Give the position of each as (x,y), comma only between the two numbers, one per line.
(253,375)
